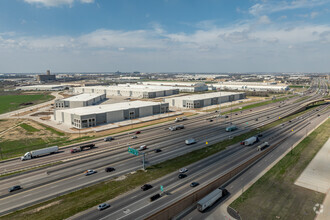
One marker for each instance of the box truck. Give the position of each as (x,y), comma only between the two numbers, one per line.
(40,152)
(210,199)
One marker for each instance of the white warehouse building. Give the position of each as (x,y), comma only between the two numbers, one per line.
(127,91)
(81,100)
(91,116)
(203,100)
(182,86)
(41,88)
(251,87)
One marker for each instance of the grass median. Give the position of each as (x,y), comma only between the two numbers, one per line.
(88,197)
(275,195)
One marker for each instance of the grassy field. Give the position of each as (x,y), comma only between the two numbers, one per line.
(13,102)
(83,199)
(28,128)
(275,194)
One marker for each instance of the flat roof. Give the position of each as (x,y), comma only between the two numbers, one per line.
(206,95)
(174,83)
(125,88)
(41,86)
(83,97)
(97,109)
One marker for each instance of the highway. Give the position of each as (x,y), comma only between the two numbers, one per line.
(63,178)
(136,204)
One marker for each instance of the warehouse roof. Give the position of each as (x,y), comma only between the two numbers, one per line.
(206,95)
(82,97)
(125,88)
(41,86)
(97,109)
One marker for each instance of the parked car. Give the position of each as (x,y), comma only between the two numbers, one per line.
(138,132)
(183,170)
(90,172)
(182,175)
(108,139)
(158,150)
(134,137)
(194,184)
(14,188)
(109,169)
(103,206)
(143,147)
(145,187)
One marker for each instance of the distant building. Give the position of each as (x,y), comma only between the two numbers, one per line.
(46,78)
(41,88)
(81,100)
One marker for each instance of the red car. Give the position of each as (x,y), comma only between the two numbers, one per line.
(138,132)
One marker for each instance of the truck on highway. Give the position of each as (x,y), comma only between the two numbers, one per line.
(210,199)
(180,119)
(176,127)
(250,141)
(262,146)
(40,152)
(231,128)
(81,148)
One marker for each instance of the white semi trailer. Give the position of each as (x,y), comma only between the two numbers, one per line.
(250,141)
(210,199)
(40,152)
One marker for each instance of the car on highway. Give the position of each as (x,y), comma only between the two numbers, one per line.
(90,172)
(211,120)
(109,169)
(154,197)
(145,187)
(318,115)
(183,170)
(158,150)
(108,139)
(103,206)
(138,132)
(256,119)
(143,147)
(14,188)
(134,137)
(194,184)
(182,175)
(190,141)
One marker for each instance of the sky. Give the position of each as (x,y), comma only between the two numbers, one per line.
(164,36)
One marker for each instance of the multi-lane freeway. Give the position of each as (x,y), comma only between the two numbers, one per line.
(68,176)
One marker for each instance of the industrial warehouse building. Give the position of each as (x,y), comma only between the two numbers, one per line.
(90,116)
(41,88)
(127,91)
(182,86)
(249,86)
(203,100)
(81,100)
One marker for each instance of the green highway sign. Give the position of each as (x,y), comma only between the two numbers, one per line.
(133,151)
(161,188)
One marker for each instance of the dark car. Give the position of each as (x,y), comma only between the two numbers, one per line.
(145,187)
(194,184)
(256,119)
(154,197)
(236,114)
(138,132)
(109,169)
(211,120)
(158,150)
(182,175)
(318,115)
(259,135)
(14,188)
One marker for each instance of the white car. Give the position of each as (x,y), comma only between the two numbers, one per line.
(103,206)
(90,172)
(143,147)
(183,170)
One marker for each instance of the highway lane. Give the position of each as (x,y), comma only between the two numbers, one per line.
(27,197)
(41,176)
(122,138)
(121,210)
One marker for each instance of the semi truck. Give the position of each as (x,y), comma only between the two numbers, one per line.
(37,153)
(176,127)
(210,199)
(81,148)
(231,128)
(180,119)
(262,146)
(250,141)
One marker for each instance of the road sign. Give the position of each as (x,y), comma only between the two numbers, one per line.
(133,151)
(161,188)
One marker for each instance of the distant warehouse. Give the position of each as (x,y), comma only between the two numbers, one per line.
(203,100)
(248,86)
(127,91)
(41,88)
(101,114)
(182,86)
(81,100)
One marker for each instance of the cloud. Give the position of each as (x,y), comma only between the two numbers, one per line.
(264,19)
(314,14)
(56,3)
